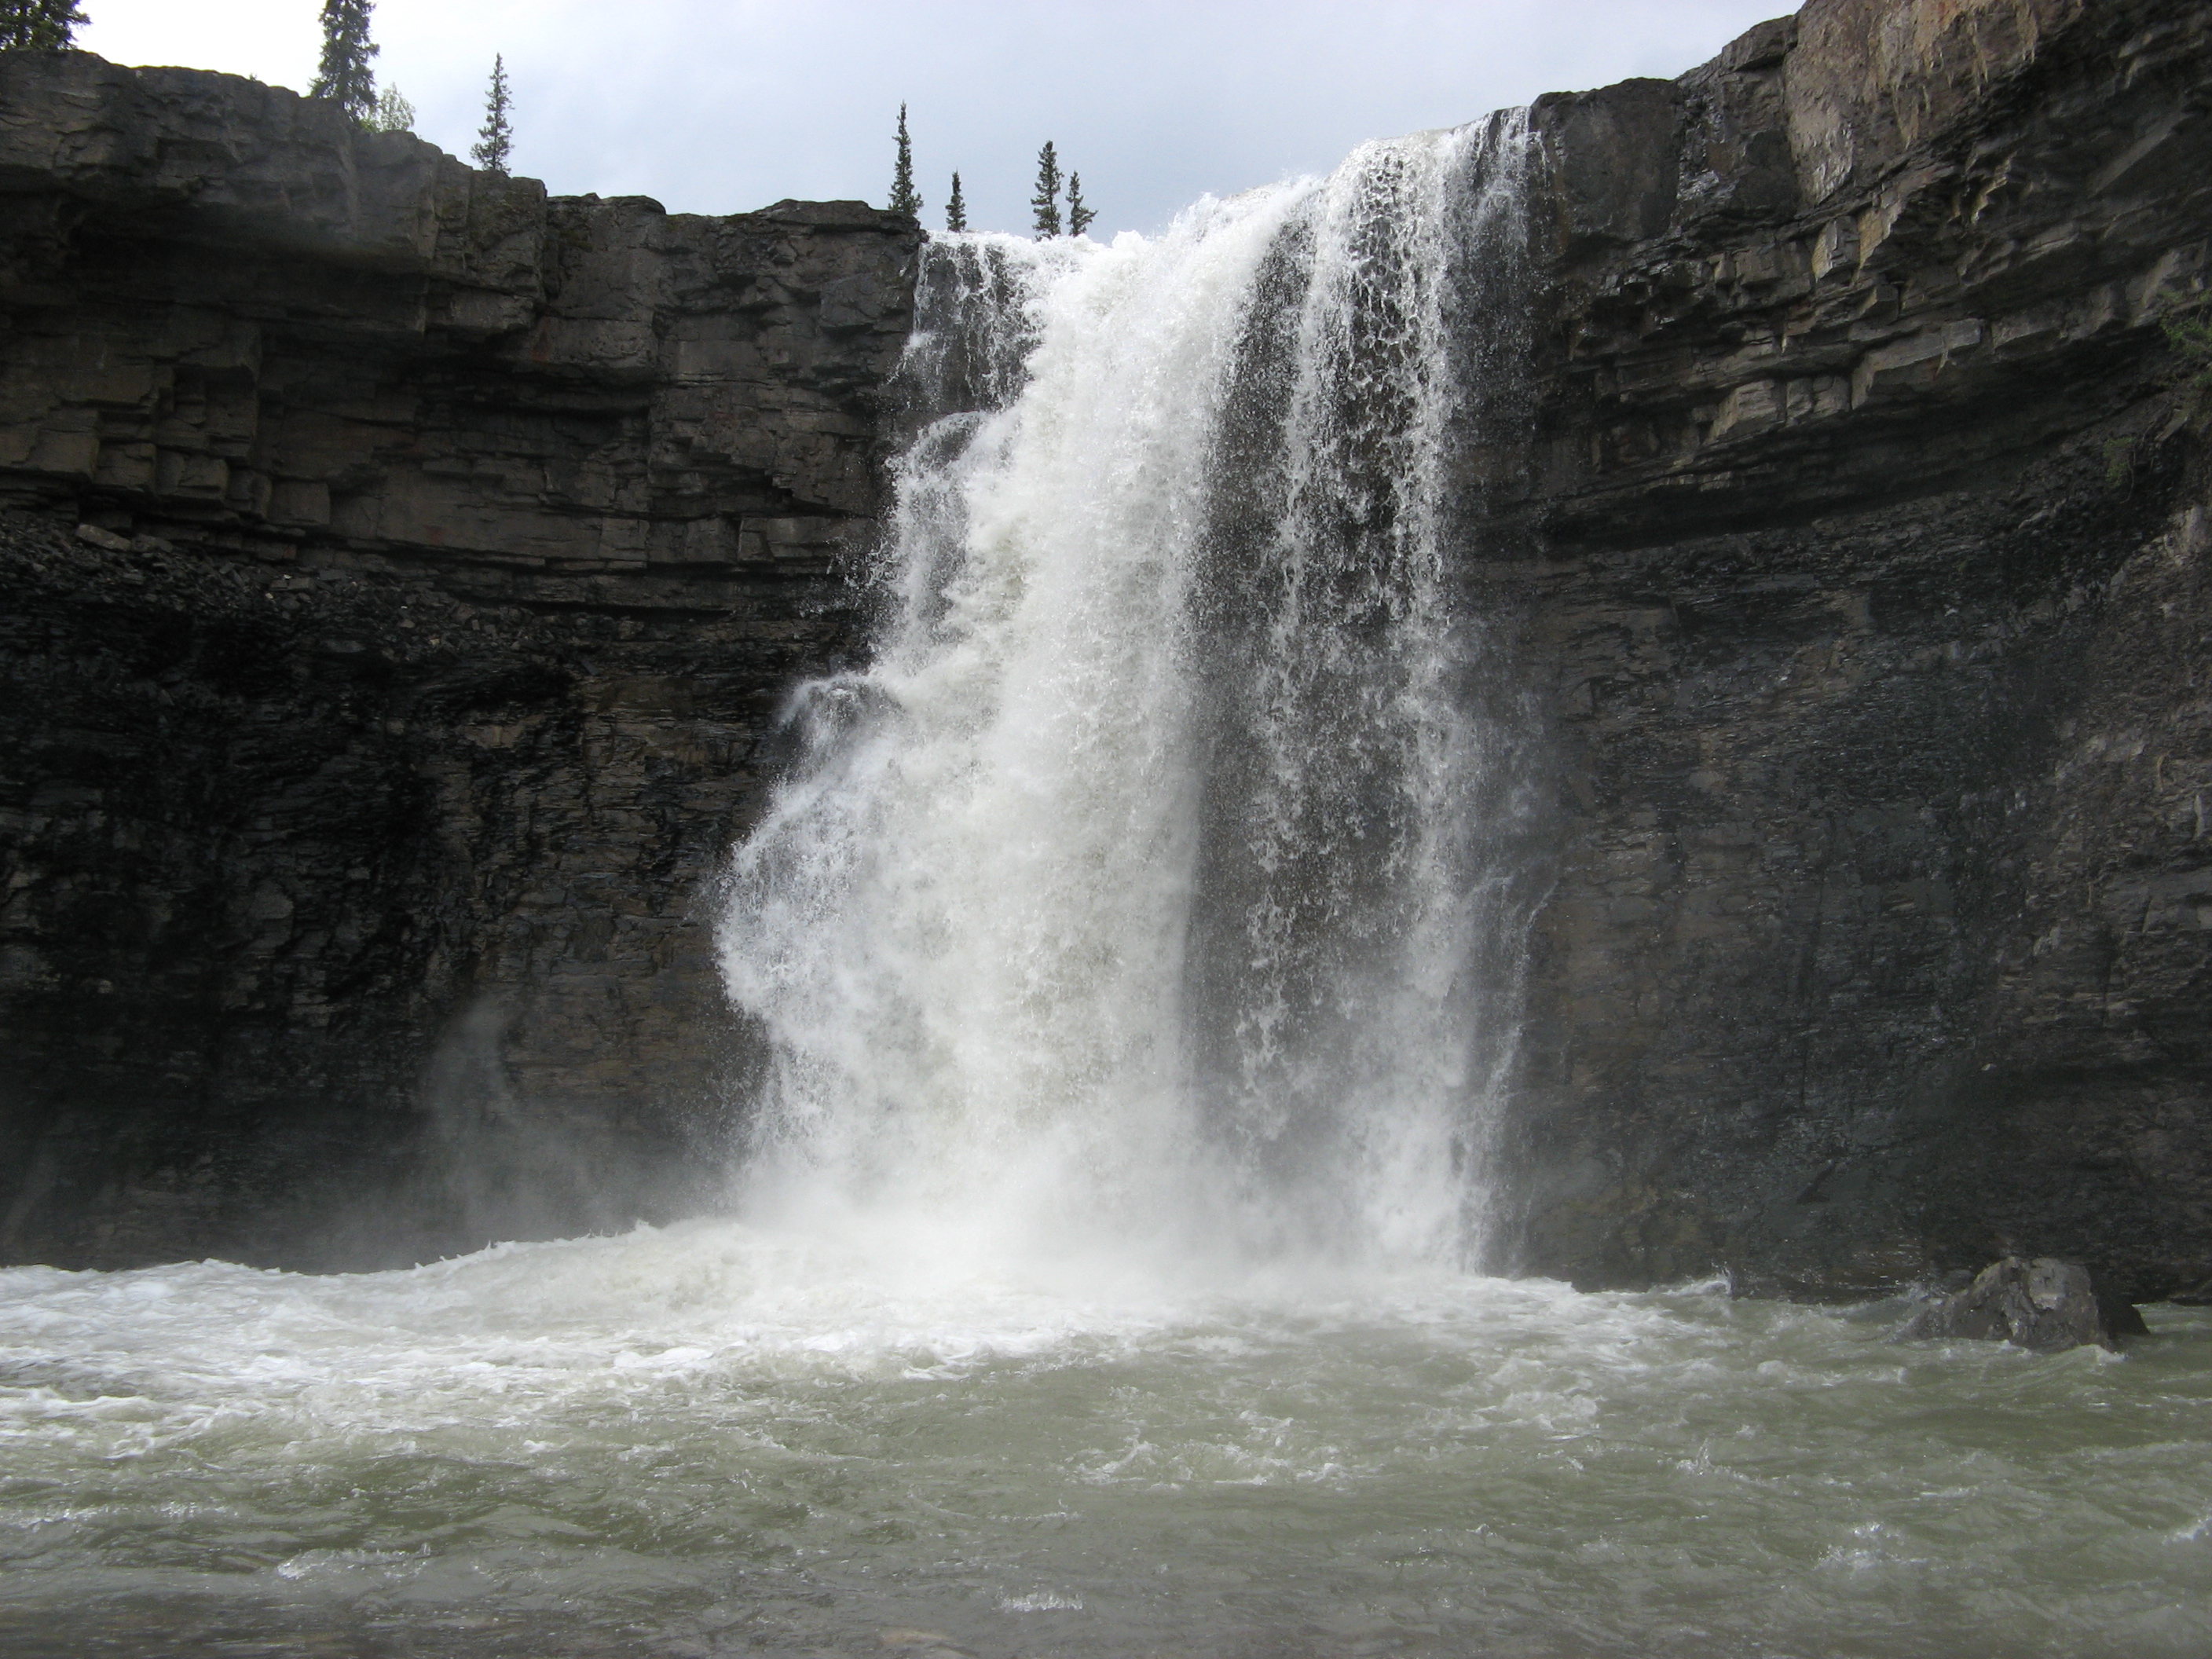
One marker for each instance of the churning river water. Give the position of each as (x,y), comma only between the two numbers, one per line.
(716,1440)
(1112,1263)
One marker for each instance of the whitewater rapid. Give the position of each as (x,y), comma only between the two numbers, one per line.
(718,1439)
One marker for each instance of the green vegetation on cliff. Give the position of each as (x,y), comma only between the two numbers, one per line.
(1046,201)
(904,197)
(393,113)
(38,25)
(496,137)
(343,75)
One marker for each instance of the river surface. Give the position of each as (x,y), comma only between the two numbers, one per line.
(714,1439)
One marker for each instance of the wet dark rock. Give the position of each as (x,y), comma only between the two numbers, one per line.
(404,571)
(1863,557)
(2043,1304)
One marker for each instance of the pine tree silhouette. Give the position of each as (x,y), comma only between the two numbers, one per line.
(904,197)
(1078,216)
(956,208)
(1047,199)
(496,137)
(343,75)
(38,25)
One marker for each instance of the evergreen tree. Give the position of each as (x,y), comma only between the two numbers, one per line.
(1078,216)
(393,113)
(344,76)
(956,208)
(496,137)
(1047,199)
(38,25)
(904,197)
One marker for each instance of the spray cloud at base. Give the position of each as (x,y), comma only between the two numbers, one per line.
(1162,878)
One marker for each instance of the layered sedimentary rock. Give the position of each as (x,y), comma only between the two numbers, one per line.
(451,548)
(1871,520)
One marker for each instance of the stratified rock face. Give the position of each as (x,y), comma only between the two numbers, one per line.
(354,815)
(1872,604)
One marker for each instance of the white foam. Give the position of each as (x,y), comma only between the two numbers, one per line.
(1066,935)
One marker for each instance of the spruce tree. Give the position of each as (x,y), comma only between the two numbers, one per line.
(956,208)
(344,76)
(904,197)
(38,25)
(393,113)
(1078,216)
(1047,199)
(496,137)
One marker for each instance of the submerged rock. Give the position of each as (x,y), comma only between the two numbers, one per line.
(2043,1304)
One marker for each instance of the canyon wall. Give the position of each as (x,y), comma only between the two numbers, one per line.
(447,549)
(1862,560)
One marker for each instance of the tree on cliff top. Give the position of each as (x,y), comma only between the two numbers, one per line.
(38,25)
(956,208)
(344,76)
(1078,216)
(904,197)
(496,137)
(1047,199)
(393,113)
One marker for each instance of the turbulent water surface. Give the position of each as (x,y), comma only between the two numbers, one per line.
(1110,1267)
(715,1440)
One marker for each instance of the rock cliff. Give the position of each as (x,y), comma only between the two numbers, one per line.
(453,548)
(1869,507)
(450,547)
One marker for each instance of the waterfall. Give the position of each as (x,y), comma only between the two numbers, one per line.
(1159,882)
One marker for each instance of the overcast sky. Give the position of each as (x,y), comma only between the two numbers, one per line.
(718,106)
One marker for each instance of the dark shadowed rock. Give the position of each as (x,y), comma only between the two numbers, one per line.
(2043,1304)
(404,571)
(1865,560)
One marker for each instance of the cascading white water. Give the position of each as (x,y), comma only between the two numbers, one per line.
(1152,884)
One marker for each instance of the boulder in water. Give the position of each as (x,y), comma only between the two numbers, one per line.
(2043,1304)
